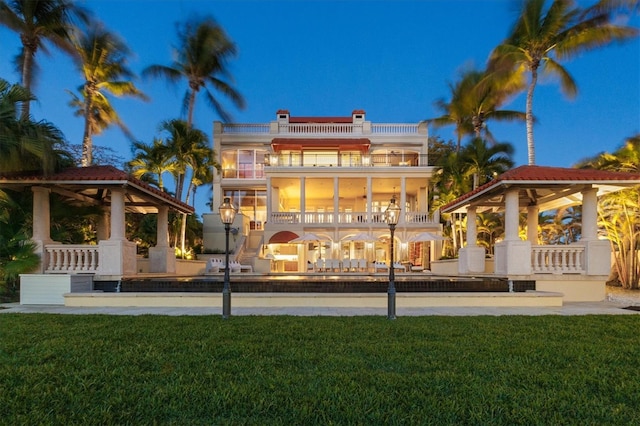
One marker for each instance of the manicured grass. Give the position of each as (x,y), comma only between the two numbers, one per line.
(68,369)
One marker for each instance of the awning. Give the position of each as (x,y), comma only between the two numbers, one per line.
(340,144)
(282,237)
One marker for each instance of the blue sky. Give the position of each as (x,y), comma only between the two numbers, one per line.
(326,58)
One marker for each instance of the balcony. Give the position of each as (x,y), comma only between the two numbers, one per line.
(409,219)
(323,129)
(347,160)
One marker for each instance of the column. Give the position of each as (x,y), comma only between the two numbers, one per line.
(532,224)
(589,214)
(403,200)
(369,196)
(41,227)
(513,256)
(117,215)
(162,257)
(117,256)
(303,204)
(336,199)
(471,257)
(597,252)
(511,215)
(41,214)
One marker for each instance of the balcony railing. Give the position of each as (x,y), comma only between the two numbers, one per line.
(557,259)
(69,259)
(346,160)
(349,218)
(396,129)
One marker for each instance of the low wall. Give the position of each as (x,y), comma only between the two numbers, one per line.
(317,300)
(577,288)
(183,267)
(49,289)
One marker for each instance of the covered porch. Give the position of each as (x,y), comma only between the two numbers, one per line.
(578,270)
(75,267)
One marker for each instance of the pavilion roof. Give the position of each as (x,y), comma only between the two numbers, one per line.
(89,184)
(546,187)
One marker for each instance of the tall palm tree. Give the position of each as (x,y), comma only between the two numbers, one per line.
(103,64)
(189,148)
(543,37)
(201,59)
(150,162)
(37,21)
(475,98)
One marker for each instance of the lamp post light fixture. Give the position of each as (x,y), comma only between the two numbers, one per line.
(391,216)
(227,215)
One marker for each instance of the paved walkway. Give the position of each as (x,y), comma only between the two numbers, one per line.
(617,301)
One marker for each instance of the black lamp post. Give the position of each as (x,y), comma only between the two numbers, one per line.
(391,216)
(227,215)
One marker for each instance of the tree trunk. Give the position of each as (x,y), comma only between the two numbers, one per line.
(27,66)
(531,150)
(87,143)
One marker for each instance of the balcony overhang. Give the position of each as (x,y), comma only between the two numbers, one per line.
(339,144)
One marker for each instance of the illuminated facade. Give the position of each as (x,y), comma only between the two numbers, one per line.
(330,176)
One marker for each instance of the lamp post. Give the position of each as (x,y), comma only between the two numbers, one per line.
(227,215)
(391,216)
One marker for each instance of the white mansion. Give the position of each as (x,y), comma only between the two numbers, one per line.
(328,176)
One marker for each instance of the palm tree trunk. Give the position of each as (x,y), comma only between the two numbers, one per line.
(27,66)
(192,104)
(87,143)
(531,150)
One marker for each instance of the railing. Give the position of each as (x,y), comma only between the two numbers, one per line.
(320,218)
(66,258)
(557,259)
(320,128)
(346,160)
(260,128)
(397,129)
(394,129)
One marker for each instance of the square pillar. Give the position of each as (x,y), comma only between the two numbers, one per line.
(471,260)
(117,257)
(513,258)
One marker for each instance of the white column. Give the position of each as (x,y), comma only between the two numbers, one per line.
(369,196)
(403,199)
(102,227)
(303,204)
(532,224)
(511,214)
(589,214)
(269,198)
(41,214)
(162,229)
(336,199)
(472,228)
(117,214)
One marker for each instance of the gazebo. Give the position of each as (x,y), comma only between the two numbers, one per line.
(113,257)
(578,270)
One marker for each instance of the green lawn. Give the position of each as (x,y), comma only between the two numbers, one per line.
(68,369)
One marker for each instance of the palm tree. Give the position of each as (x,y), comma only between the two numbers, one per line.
(476,98)
(103,64)
(37,21)
(541,38)
(201,60)
(620,213)
(27,145)
(189,148)
(482,162)
(150,162)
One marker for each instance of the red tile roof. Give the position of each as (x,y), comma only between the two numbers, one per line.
(545,176)
(93,175)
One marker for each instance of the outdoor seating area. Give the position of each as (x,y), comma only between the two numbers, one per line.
(215,265)
(352,265)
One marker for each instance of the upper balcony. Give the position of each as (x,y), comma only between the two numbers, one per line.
(325,129)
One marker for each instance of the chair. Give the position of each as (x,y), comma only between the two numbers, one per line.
(380,267)
(310,267)
(213,265)
(399,266)
(362,265)
(320,265)
(346,265)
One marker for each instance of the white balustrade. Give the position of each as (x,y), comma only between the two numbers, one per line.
(394,129)
(66,258)
(246,128)
(551,259)
(418,217)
